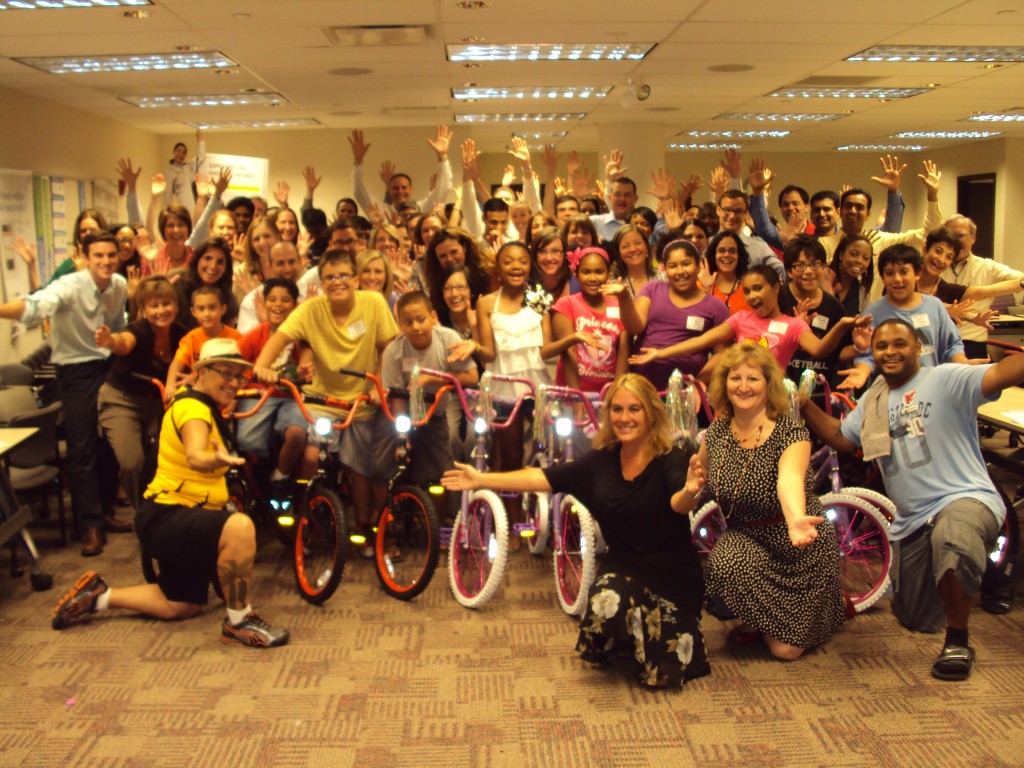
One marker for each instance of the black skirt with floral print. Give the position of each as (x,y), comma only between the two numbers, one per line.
(626,619)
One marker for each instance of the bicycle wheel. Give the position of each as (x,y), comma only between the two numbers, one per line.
(320,538)
(865,554)
(998,581)
(884,503)
(408,543)
(536,508)
(706,526)
(478,548)
(574,556)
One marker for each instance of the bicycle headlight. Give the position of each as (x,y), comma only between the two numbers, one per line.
(480,425)
(403,424)
(563,426)
(323,427)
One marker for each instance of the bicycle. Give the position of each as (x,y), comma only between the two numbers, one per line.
(407,543)
(861,517)
(575,534)
(478,543)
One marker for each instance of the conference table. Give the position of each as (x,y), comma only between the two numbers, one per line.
(1005,413)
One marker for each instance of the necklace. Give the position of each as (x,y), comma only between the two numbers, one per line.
(743,472)
(735,285)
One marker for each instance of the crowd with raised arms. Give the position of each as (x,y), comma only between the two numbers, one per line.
(567,281)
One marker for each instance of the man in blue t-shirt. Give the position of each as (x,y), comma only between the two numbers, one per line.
(920,424)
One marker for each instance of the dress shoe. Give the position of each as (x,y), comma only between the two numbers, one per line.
(92,542)
(113,525)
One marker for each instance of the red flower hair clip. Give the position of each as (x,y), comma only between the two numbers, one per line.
(575,257)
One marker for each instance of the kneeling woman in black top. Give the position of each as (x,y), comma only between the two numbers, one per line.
(647,597)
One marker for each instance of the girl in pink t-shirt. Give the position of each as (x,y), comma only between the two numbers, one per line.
(600,352)
(763,324)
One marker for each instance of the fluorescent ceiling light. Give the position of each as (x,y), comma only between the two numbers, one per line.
(551,117)
(550,52)
(31,5)
(735,134)
(288,122)
(541,135)
(532,92)
(1006,117)
(945,134)
(713,145)
(143,62)
(811,92)
(211,100)
(940,53)
(881,148)
(778,117)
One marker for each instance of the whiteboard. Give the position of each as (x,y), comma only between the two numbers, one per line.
(248,174)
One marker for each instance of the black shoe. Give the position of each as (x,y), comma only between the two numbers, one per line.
(954,663)
(253,632)
(79,601)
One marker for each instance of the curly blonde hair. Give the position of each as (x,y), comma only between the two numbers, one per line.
(755,356)
(654,410)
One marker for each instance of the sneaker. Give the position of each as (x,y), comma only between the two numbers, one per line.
(254,632)
(79,601)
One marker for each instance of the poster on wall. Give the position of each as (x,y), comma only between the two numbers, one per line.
(248,174)
(44,225)
(59,219)
(105,198)
(17,220)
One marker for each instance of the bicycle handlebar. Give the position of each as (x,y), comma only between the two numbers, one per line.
(557,392)
(461,392)
(396,393)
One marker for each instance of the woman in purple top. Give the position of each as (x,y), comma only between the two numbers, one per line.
(668,313)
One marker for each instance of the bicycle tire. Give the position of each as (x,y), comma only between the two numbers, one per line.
(574,558)
(537,508)
(865,553)
(883,502)
(408,543)
(478,549)
(321,535)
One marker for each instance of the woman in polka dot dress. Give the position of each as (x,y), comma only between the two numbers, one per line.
(777,567)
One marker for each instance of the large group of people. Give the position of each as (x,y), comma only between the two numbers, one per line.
(567,281)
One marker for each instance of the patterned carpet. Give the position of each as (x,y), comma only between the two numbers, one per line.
(370,681)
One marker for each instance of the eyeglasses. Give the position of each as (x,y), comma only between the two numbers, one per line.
(727,251)
(734,211)
(448,289)
(330,279)
(232,376)
(803,266)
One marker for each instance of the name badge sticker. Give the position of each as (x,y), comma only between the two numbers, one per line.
(820,322)
(920,321)
(695,323)
(612,313)
(408,363)
(356,329)
(777,326)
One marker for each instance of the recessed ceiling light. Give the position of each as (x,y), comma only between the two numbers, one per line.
(207,100)
(1006,117)
(135,14)
(532,92)
(548,117)
(31,5)
(735,134)
(881,148)
(291,122)
(730,68)
(471,5)
(945,134)
(143,62)
(803,92)
(550,52)
(940,53)
(470,39)
(778,117)
(712,146)
(225,71)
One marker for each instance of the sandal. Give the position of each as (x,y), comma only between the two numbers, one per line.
(954,663)
(742,636)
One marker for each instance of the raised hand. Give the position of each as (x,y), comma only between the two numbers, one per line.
(387,170)
(931,178)
(520,151)
(573,163)
(26,250)
(508,176)
(705,276)
(134,277)
(462,478)
(470,156)
(663,184)
(204,187)
(312,180)
(281,193)
(795,225)
(238,253)
(958,309)
(804,530)
(731,163)
(719,181)
(613,168)
(760,175)
(222,183)
(128,174)
(442,139)
(375,214)
(560,188)
(983,318)
(855,378)
(158,185)
(803,307)
(670,212)
(359,150)
(844,189)
(104,338)
(690,186)
(550,158)
(892,173)
(583,182)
